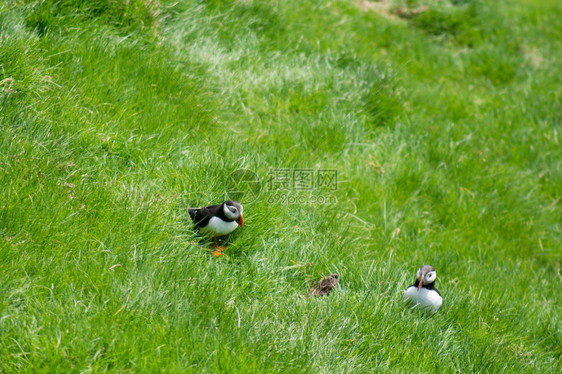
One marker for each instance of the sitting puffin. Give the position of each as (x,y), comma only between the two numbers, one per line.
(423,293)
(218,220)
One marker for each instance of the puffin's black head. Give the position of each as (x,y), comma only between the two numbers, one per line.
(234,210)
(426,275)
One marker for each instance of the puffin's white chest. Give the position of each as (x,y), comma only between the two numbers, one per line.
(218,227)
(423,298)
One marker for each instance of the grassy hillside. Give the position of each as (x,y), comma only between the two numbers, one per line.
(442,120)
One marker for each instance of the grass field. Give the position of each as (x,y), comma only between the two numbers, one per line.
(441,118)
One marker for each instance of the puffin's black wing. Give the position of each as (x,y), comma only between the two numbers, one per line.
(201,216)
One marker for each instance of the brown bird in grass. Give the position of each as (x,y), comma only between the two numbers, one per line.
(325,285)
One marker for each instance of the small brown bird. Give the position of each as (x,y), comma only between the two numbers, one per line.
(325,285)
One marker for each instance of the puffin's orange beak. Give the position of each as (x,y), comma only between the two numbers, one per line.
(241,221)
(420,284)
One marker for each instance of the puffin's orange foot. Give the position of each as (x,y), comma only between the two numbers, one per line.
(218,251)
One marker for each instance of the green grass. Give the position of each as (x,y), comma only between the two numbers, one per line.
(116,116)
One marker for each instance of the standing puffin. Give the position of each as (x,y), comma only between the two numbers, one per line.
(423,293)
(218,220)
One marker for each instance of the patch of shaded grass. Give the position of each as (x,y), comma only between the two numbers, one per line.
(127,15)
(462,22)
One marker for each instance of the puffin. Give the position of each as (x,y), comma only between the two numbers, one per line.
(422,293)
(218,220)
